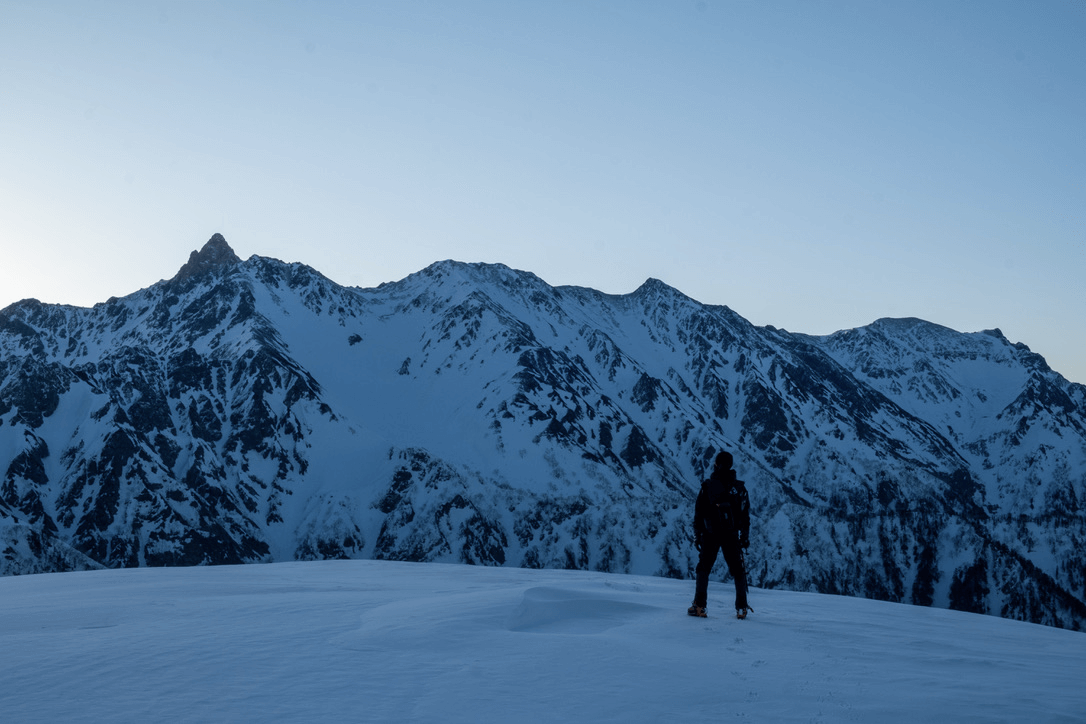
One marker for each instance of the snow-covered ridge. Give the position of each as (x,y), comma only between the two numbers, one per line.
(349,641)
(257,411)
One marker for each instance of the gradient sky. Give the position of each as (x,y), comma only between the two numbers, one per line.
(812,165)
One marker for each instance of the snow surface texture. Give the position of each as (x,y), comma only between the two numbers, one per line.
(374,641)
(256,411)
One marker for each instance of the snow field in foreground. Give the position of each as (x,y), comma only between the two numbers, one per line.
(374,641)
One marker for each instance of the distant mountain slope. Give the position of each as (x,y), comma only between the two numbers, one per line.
(257,411)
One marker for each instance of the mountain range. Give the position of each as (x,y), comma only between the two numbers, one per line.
(256,411)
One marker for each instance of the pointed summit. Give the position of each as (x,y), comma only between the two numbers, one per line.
(215,255)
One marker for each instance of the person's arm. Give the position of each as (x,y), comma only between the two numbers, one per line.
(741,506)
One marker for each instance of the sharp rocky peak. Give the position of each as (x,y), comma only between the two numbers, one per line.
(215,254)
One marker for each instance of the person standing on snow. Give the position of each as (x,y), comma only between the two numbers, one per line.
(721,522)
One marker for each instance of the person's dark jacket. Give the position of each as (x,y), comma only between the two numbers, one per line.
(722,511)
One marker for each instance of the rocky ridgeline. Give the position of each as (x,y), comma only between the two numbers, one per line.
(256,411)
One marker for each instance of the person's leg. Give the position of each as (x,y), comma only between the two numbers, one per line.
(706,559)
(733,556)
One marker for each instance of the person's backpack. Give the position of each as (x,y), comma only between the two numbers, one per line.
(717,513)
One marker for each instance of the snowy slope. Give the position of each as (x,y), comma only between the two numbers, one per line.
(256,411)
(349,641)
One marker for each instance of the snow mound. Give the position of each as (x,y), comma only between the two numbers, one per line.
(557,610)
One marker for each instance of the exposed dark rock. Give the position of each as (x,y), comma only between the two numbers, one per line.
(216,254)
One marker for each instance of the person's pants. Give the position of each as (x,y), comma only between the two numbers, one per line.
(733,556)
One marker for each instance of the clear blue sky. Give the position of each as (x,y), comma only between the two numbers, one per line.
(813,165)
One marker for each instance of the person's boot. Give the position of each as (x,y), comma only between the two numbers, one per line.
(696,610)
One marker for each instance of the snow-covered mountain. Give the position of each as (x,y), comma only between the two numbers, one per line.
(257,411)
